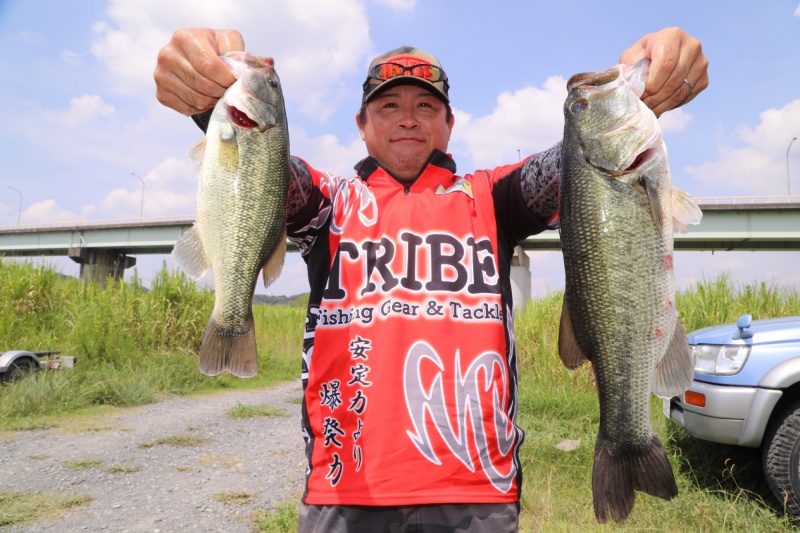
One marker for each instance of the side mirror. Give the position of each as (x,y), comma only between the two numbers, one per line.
(743,324)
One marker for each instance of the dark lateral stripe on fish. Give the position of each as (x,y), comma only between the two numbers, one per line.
(222,351)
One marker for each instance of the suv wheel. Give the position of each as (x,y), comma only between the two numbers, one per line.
(781,454)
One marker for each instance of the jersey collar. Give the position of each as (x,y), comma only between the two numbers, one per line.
(367,167)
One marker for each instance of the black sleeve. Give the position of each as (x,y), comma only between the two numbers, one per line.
(515,220)
(540,182)
(201,119)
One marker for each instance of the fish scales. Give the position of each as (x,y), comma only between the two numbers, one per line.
(247,222)
(241,209)
(616,211)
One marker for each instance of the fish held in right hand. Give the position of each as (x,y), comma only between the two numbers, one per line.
(241,209)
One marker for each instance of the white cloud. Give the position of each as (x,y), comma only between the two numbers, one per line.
(71,58)
(31,37)
(758,167)
(46,212)
(169,189)
(84,108)
(315,43)
(675,120)
(327,153)
(404,5)
(529,119)
(797,11)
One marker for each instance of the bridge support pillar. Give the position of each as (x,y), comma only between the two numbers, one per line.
(520,278)
(98,265)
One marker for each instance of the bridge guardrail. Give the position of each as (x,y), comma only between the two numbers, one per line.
(747,200)
(105,223)
(753,201)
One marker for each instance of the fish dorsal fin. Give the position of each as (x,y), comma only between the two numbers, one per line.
(685,210)
(568,350)
(189,254)
(274,264)
(675,371)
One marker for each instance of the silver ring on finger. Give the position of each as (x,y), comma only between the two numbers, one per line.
(691,90)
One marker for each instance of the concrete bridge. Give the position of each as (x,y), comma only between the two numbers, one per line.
(104,247)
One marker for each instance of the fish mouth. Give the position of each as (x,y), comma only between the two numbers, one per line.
(593,79)
(638,160)
(645,152)
(240,118)
(641,125)
(641,159)
(248,112)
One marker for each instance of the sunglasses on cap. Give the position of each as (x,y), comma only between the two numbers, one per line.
(398,67)
(389,70)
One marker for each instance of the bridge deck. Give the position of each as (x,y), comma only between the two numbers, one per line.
(758,223)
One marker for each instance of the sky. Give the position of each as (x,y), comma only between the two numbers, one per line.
(84,138)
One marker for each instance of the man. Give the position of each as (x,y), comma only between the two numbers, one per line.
(409,363)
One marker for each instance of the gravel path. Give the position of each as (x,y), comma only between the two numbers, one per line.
(174,488)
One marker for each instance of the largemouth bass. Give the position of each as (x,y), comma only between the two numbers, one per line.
(616,217)
(240,227)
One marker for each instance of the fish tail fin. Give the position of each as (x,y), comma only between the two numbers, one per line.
(235,353)
(617,475)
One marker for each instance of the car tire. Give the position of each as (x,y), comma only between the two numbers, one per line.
(19,369)
(781,455)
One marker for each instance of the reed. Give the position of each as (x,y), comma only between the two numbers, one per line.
(134,345)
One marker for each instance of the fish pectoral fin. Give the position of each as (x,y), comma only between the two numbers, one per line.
(190,255)
(685,210)
(674,373)
(651,187)
(274,264)
(568,350)
(196,154)
(198,151)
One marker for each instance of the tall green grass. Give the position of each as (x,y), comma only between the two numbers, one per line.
(132,345)
(722,488)
(720,301)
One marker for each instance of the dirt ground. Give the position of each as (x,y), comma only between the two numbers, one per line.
(164,487)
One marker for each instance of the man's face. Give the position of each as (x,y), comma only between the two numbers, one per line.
(404,124)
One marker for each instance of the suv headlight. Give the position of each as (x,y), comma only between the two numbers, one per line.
(721,360)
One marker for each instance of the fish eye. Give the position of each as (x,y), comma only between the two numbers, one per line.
(272,83)
(578,106)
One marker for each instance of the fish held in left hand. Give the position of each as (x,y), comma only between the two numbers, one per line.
(240,227)
(617,207)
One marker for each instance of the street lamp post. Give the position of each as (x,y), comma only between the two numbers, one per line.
(788,183)
(19,212)
(141,209)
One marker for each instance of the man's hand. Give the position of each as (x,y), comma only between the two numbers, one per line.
(190,76)
(674,57)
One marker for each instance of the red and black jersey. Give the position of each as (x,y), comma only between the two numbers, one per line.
(409,364)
